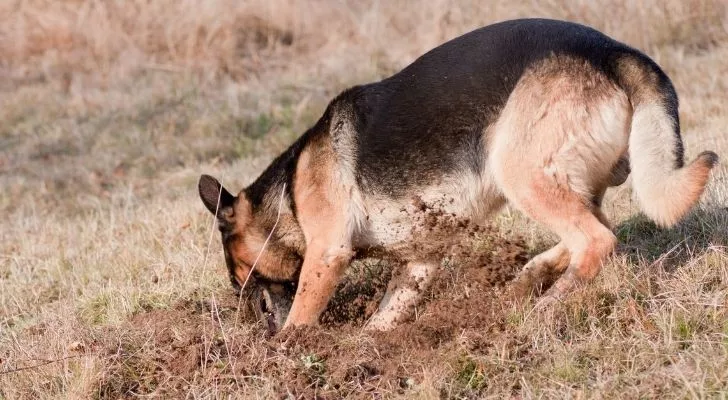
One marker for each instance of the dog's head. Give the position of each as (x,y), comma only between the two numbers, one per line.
(245,230)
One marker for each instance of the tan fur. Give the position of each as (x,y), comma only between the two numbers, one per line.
(562,138)
(564,122)
(664,193)
(238,247)
(322,214)
(288,232)
(561,133)
(342,140)
(566,133)
(247,244)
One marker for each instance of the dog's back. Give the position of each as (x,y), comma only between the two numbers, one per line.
(429,118)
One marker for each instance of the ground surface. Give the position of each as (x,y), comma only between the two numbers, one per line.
(112,282)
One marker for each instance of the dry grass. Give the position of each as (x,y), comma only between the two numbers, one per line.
(110,110)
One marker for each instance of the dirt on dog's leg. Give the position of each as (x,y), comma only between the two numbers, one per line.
(402,296)
(321,272)
(323,212)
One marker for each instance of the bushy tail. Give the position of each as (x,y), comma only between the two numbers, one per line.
(665,188)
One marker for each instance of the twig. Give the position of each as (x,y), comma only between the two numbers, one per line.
(216,311)
(44,363)
(206,347)
(262,249)
(252,268)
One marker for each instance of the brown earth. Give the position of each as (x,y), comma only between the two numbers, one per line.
(220,342)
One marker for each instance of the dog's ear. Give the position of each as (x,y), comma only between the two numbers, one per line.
(210,191)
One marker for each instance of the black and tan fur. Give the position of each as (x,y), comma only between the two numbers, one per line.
(541,114)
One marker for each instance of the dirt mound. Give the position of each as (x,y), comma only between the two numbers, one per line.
(462,302)
(214,341)
(465,300)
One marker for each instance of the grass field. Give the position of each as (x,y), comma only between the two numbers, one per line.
(110,284)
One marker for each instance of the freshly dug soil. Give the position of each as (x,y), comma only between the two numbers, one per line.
(213,340)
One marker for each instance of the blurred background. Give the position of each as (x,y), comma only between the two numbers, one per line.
(98,96)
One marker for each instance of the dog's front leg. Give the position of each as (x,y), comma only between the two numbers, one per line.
(322,193)
(321,271)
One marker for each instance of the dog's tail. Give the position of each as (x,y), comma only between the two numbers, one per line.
(665,188)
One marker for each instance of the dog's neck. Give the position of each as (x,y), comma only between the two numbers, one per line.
(265,193)
(278,180)
(272,194)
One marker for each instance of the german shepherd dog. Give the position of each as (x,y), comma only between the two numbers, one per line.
(541,114)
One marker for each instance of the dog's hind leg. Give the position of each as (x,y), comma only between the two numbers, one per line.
(542,270)
(550,200)
(591,243)
(402,296)
(585,241)
(553,151)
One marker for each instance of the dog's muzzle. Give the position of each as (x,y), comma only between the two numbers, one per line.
(272,303)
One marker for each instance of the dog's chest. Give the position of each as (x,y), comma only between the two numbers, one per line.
(391,222)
